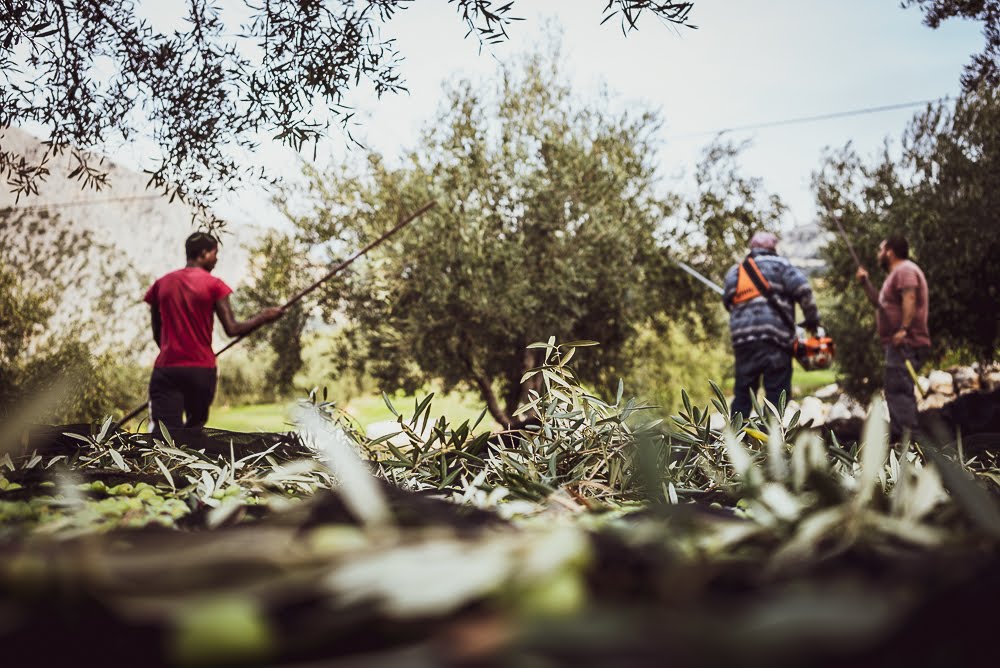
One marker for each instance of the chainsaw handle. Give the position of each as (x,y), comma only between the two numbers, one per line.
(804,327)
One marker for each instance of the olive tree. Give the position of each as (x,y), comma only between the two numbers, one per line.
(943,194)
(278,265)
(545,226)
(727,207)
(66,302)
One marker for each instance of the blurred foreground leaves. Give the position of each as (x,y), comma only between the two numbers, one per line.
(593,538)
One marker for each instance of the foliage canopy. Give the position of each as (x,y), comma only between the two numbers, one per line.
(546,225)
(62,295)
(943,194)
(96,73)
(984,70)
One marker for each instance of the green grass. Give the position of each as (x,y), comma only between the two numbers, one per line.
(365,409)
(259,417)
(806,382)
(456,407)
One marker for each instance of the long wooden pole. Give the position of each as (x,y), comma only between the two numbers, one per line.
(715,287)
(302,294)
(843,234)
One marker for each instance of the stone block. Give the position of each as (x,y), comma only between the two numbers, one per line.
(814,411)
(933,401)
(940,382)
(990,381)
(965,379)
(827,392)
(844,409)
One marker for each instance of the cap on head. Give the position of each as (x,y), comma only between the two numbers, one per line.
(764,240)
(198,243)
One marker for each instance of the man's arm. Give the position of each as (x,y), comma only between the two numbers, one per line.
(155,322)
(802,293)
(729,291)
(866,283)
(810,311)
(234,327)
(909,304)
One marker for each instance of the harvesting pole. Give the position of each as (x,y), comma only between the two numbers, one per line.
(843,235)
(303,293)
(715,287)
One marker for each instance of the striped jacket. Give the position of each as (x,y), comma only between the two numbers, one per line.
(755,321)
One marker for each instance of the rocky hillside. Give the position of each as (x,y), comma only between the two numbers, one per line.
(147,227)
(144,230)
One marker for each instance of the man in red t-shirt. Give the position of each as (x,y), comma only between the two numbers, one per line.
(182,385)
(901,316)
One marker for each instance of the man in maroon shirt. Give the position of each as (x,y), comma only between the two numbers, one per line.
(901,315)
(182,303)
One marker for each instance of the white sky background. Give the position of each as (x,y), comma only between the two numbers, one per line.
(749,61)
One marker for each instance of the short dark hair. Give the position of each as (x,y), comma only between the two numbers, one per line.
(198,243)
(899,246)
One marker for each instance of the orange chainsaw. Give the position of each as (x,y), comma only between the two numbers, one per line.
(813,351)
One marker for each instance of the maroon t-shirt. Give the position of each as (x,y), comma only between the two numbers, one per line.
(186,300)
(906,275)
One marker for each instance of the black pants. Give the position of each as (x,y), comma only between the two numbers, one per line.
(753,363)
(180,396)
(899,397)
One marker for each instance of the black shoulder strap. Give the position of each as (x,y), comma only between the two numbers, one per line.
(765,290)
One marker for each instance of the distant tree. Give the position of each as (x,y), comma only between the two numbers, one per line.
(21,315)
(530,189)
(62,293)
(93,72)
(95,284)
(943,193)
(55,369)
(716,224)
(984,70)
(278,267)
(545,225)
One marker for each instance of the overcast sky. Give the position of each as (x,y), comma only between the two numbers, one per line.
(749,62)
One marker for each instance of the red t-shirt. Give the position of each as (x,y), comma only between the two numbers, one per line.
(186,300)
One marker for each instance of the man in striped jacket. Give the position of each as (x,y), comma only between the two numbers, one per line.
(763,330)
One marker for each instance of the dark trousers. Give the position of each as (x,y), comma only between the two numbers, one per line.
(899,397)
(753,363)
(180,396)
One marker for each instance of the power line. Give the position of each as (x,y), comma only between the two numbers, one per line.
(738,128)
(811,119)
(79,202)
